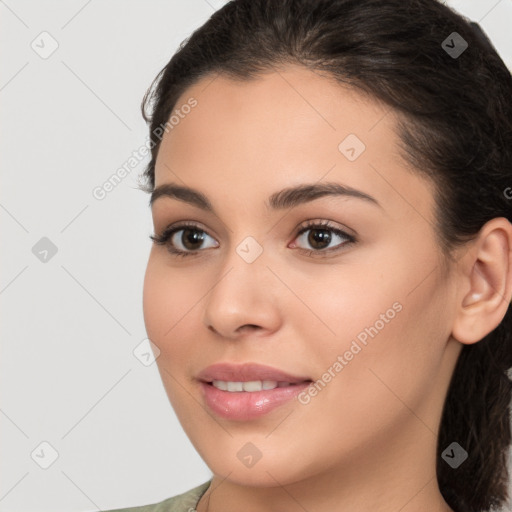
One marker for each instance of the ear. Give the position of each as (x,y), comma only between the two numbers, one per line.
(485,287)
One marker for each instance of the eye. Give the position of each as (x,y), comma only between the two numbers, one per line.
(320,236)
(192,237)
(186,244)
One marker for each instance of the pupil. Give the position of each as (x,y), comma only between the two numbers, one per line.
(191,236)
(323,236)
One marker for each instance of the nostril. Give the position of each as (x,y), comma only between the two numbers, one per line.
(250,327)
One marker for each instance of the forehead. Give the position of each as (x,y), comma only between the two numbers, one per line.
(286,107)
(286,127)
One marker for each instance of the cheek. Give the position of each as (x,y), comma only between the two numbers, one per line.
(373,391)
(156,301)
(340,305)
(170,305)
(169,298)
(389,331)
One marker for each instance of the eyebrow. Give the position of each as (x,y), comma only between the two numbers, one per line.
(286,198)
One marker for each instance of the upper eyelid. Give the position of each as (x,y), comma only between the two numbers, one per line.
(299,229)
(327,224)
(308,224)
(187,224)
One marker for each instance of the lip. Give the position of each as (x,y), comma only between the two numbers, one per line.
(242,405)
(247,372)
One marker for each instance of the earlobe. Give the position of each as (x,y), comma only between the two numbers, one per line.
(487,285)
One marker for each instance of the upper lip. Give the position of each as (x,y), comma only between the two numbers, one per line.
(246,372)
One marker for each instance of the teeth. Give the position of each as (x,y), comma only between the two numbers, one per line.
(235,386)
(253,385)
(220,384)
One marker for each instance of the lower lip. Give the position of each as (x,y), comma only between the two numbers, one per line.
(248,405)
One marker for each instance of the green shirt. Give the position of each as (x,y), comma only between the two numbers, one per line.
(185,502)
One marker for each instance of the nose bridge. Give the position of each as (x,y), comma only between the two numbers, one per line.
(243,293)
(244,270)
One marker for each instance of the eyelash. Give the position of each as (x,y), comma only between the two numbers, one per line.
(166,235)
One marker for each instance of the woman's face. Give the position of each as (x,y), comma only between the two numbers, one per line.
(363,317)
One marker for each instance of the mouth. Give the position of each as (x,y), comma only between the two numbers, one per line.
(252,385)
(248,372)
(248,391)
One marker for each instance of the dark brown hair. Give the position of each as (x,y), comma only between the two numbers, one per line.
(455,127)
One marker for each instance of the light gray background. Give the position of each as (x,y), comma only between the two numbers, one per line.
(70,325)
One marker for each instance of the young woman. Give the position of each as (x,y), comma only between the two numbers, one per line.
(331,274)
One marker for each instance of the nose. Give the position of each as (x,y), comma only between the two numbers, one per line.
(243,300)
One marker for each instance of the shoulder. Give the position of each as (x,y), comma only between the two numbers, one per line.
(185,502)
